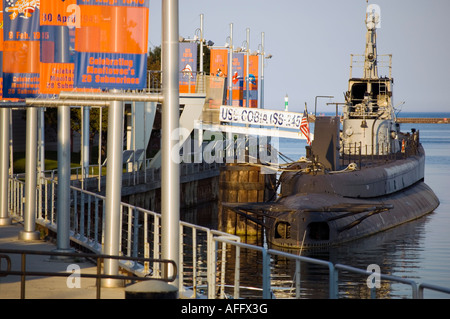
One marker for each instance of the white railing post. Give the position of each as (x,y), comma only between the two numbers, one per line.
(5,219)
(180,258)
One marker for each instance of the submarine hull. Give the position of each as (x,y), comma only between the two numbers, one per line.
(317,220)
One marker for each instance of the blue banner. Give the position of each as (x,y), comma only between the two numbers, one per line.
(110,70)
(238,79)
(188,67)
(108,56)
(21,49)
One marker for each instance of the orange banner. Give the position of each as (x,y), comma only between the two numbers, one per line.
(219,62)
(253,80)
(58,13)
(21,57)
(112,29)
(253,66)
(58,77)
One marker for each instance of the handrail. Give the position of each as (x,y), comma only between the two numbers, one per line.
(410,282)
(422,286)
(99,258)
(266,265)
(416,289)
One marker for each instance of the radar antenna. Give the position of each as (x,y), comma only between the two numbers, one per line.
(373,21)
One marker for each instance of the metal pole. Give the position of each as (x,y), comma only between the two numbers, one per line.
(170,175)
(247,82)
(113,192)
(11,151)
(261,102)
(85,111)
(201,79)
(41,128)
(63,199)
(100,129)
(29,233)
(201,44)
(315,102)
(4,166)
(98,99)
(230,68)
(266,274)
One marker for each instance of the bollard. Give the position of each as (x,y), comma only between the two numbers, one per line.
(151,289)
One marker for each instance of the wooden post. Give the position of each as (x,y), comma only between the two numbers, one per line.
(240,184)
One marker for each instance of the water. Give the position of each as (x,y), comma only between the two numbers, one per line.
(418,250)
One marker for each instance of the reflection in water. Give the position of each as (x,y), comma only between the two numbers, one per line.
(395,251)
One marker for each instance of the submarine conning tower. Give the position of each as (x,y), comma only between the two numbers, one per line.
(368,120)
(368,123)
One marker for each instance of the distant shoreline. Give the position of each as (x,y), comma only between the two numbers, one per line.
(434,120)
(438,118)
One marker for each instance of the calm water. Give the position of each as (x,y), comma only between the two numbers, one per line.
(419,250)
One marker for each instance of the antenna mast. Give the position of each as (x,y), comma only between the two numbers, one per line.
(372,23)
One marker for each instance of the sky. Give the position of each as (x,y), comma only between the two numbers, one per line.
(311,43)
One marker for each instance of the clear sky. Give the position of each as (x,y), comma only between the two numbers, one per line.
(311,43)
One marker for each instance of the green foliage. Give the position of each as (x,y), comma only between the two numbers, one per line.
(154,59)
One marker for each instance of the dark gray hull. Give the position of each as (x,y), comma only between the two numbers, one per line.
(316,220)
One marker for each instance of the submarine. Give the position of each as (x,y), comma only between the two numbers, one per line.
(361,174)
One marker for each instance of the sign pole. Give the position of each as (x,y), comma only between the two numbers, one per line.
(170,174)
(230,67)
(5,220)
(29,232)
(113,192)
(63,190)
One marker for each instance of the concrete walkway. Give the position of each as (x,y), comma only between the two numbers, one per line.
(47,287)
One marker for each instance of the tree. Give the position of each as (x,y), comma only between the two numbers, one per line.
(94,125)
(154,68)
(154,59)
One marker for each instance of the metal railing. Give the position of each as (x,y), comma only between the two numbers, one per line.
(384,62)
(271,282)
(140,234)
(194,81)
(366,155)
(211,261)
(99,258)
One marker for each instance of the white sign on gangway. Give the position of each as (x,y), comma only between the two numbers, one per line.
(243,115)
